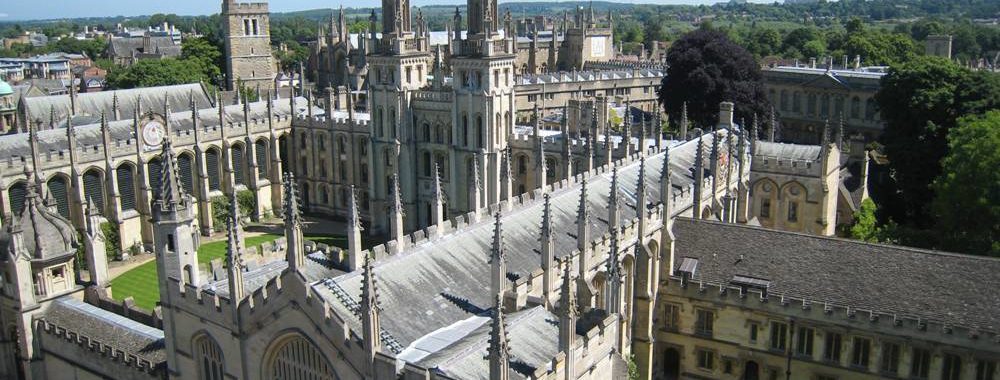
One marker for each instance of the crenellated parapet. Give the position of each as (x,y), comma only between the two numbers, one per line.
(139,365)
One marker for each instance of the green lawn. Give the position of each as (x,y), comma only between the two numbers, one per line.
(140,283)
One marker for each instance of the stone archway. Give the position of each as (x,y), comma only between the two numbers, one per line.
(751,371)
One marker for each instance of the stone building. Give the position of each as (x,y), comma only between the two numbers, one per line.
(620,245)
(805,98)
(126,51)
(249,61)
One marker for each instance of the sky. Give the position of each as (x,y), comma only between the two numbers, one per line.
(56,9)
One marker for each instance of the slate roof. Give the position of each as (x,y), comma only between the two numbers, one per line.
(958,290)
(784,151)
(317,267)
(46,235)
(108,328)
(92,104)
(534,342)
(123,47)
(440,282)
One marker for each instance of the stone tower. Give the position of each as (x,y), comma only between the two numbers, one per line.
(483,71)
(398,63)
(248,45)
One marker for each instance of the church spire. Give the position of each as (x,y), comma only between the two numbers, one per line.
(354,231)
(614,214)
(541,168)
(640,196)
(396,212)
(506,179)
(475,193)
(370,314)
(498,260)
(295,254)
(234,254)
(684,122)
(549,265)
(437,210)
(499,350)
(568,314)
(171,197)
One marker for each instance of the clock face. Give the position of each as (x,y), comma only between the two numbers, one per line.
(152,134)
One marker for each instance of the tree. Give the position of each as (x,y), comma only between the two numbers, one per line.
(206,56)
(706,68)
(967,201)
(151,73)
(920,102)
(866,226)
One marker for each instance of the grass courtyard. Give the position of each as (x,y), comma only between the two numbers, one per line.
(140,283)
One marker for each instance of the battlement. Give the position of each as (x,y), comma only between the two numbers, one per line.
(811,168)
(104,350)
(234,7)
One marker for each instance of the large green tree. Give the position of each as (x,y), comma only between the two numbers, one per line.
(967,202)
(152,72)
(706,68)
(920,102)
(205,55)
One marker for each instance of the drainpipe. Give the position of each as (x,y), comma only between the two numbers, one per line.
(791,339)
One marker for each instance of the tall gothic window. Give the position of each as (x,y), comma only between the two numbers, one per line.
(260,152)
(295,358)
(209,357)
(16,194)
(153,169)
(185,165)
(93,185)
(58,191)
(212,166)
(239,163)
(126,186)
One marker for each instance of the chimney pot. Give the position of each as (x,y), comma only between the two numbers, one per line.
(726,113)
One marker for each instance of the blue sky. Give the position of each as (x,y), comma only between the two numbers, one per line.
(54,9)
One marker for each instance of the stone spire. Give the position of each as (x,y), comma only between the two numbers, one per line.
(699,178)
(295,254)
(567,153)
(583,245)
(476,190)
(728,207)
(396,212)
(499,350)
(498,260)
(541,168)
(614,214)
(666,186)
(568,315)
(772,131)
(549,265)
(612,300)
(370,314)
(437,210)
(684,122)
(753,134)
(627,131)
(666,198)
(354,231)
(657,128)
(171,196)
(714,163)
(506,179)
(839,137)
(640,196)
(115,109)
(234,254)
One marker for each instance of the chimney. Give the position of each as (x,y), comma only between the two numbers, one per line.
(857,62)
(812,63)
(726,114)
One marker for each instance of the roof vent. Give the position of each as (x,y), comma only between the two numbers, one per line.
(747,282)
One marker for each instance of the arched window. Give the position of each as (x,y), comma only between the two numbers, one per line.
(342,144)
(550,169)
(185,165)
(16,194)
(239,162)
(838,106)
(154,170)
(784,100)
(465,131)
(93,187)
(378,122)
(294,358)
(522,164)
(392,123)
(58,191)
(824,105)
(442,163)
(260,153)
(212,167)
(209,358)
(426,129)
(855,108)
(811,104)
(796,102)
(126,186)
